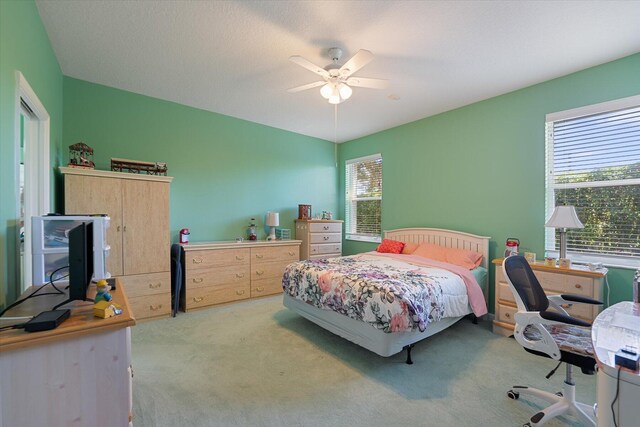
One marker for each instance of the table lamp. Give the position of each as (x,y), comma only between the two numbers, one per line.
(273,220)
(564,217)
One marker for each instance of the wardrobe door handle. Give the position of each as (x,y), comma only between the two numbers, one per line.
(198,280)
(124,228)
(118,228)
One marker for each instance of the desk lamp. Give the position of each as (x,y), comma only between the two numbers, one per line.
(564,217)
(273,220)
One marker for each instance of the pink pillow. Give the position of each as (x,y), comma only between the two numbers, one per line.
(390,246)
(409,248)
(431,251)
(459,257)
(464,258)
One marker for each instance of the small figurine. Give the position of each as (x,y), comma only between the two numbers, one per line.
(80,156)
(105,309)
(103,291)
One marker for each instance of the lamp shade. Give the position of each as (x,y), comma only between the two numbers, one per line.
(564,217)
(273,219)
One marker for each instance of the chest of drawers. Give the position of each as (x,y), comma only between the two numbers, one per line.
(320,238)
(554,281)
(220,272)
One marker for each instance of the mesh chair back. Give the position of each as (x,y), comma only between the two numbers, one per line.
(526,283)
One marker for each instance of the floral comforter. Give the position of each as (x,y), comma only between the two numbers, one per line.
(391,296)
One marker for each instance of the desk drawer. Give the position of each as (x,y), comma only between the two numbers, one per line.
(150,305)
(204,277)
(275,253)
(216,258)
(147,284)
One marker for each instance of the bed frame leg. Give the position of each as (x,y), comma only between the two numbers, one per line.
(474,319)
(409,348)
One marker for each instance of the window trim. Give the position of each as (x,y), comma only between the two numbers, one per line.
(549,240)
(354,236)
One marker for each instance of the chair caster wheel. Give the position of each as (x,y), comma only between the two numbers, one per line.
(559,394)
(513,395)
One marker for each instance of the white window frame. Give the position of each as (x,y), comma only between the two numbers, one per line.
(550,186)
(349,190)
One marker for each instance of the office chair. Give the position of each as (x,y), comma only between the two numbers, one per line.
(545,329)
(176,277)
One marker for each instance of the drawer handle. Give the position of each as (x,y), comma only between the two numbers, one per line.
(240,292)
(197,299)
(156,286)
(197,260)
(291,253)
(259,256)
(259,289)
(239,275)
(578,286)
(326,227)
(326,237)
(507,315)
(155,307)
(314,249)
(118,228)
(198,280)
(239,258)
(260,272)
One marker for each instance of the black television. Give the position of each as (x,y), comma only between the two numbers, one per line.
(80,262)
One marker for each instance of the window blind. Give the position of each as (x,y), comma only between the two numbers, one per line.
(363,198)
(593,163)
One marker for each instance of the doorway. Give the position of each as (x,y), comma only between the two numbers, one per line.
(33,170)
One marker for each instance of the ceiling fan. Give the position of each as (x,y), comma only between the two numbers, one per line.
(337,80)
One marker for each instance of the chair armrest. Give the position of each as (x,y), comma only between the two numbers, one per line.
(561,318)
(580,299)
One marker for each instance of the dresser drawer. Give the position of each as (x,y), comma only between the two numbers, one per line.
(216,258)
(268,270)
(275,253)
(202,297)
(329,248)
(150,305)
(262,287)
(147,284)
(325,238)
(551,281)
(507,313)
(330,227)
(579,285)
(203,277)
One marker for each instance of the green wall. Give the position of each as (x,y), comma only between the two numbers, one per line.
(24,47)
(480,168)
(225,170)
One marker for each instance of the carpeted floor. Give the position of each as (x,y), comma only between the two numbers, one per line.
(256,363)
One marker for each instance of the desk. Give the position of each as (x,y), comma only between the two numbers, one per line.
(78,374)
(610,334)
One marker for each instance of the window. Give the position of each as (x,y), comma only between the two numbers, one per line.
(593,163)
(363,181)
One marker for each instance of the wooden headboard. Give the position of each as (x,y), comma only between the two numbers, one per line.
(446,238)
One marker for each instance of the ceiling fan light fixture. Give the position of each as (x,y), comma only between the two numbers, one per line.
(345,91)
(326,90)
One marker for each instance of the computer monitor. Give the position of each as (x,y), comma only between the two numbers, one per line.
(80,262)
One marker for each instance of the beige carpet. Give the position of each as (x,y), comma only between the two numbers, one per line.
(257,363)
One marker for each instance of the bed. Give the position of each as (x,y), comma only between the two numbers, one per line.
(387,338)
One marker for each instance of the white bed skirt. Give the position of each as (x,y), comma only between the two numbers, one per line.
(363,334)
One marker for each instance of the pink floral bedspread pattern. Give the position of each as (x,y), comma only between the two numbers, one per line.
(388,297)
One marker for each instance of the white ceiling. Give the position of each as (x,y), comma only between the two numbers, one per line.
(231,57)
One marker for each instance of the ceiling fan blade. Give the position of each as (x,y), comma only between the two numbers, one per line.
(367,82)
(305,87)
(357,61)
(309,65)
